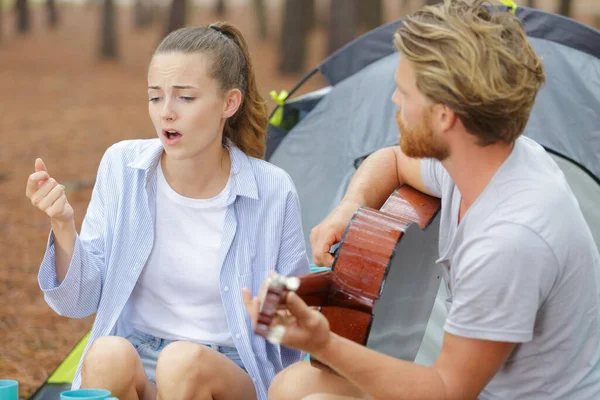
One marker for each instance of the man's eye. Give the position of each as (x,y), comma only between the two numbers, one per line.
(154,99)
(187,98)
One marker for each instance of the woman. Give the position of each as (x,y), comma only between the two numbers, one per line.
(175,228)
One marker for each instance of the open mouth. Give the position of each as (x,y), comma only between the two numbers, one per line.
(171,133)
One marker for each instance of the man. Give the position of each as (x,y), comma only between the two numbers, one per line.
(519,260)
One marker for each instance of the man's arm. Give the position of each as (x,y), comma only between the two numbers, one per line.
(463,368)
(380,174)
(374,181)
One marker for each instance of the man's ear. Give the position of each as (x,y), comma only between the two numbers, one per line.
(233,100)
(444,118)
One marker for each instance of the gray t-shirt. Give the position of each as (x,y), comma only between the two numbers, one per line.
(522,267)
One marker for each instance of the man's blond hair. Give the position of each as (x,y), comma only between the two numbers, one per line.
(477,62)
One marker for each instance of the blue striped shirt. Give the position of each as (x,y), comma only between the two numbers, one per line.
(262,233)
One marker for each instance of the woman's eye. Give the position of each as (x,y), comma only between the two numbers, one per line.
(187,98)
(154,99)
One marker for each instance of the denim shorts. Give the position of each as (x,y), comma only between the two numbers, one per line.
(149,347)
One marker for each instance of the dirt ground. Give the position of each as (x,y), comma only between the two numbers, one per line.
(58,102)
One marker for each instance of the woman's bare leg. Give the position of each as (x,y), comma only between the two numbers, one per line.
(325,396)
(192,371)
(301,379)
(112,363)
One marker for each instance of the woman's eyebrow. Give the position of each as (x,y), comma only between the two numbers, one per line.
(174,87)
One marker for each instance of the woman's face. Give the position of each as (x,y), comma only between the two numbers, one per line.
(187,106)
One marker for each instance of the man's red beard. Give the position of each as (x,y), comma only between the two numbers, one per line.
(419,142)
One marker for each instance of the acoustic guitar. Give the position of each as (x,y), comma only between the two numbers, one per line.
(383,282)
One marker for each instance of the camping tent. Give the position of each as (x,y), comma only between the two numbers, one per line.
(321,138)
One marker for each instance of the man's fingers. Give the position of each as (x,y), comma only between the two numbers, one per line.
(283,319)
(40,165)
(247,296)
(252,304)
(321,250)
(297,306)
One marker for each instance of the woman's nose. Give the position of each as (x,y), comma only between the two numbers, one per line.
(167,112)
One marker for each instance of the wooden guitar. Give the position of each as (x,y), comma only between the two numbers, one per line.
(383,281)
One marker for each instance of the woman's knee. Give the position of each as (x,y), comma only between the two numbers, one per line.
(188,370)
(301,379)
(109,356)
(317,396)
(183,361)
(291,383)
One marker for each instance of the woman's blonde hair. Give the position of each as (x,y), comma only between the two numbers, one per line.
(232,68)
(477,62)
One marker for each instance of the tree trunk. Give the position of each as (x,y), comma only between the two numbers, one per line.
(177,17)
(1,19)
(405,6)
(143,11)
(138,14)
(371,13)
(220,9)
(565,8)
(22,9)
(310,17)
(432,2)
(108,40)
(292,40)
(343,23)
(261,14)
(52,13)
(531,3)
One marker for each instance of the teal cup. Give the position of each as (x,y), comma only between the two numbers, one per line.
(86,394)
(9,389)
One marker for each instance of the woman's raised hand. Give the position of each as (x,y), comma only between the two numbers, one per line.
(48,195)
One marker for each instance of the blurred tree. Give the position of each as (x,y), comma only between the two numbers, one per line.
(22,9)
(108,35)
(292,41)
(531,3)
(143,14)
(261,14)
(371,13)
(1,18)
(565,8)
(310,15)
(404,6)
(220,9)
(431,2)
(138,14)
(52,13)
(343,23)
(177,17)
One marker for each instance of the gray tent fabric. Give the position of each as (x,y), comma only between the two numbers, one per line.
(377,43)
(561,30)
(354,119)
(587,192)
(566,114)
(570,51)
(342,124)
